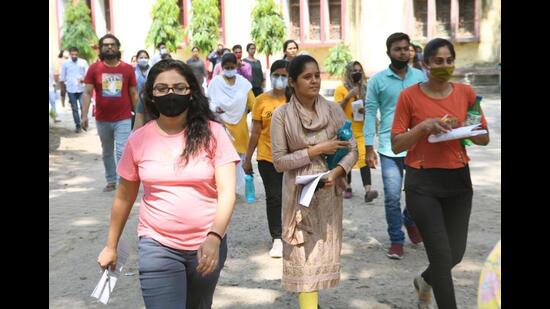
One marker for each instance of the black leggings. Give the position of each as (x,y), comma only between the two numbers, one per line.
(273,183)
(365,176)
(442,219)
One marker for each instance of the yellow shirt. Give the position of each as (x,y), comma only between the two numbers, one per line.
(356,126)
(262,110)
(239,131)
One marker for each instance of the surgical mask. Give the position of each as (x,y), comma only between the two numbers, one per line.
(163,51)
(143,62)
(398,64)
(172,105)
(229,73)
(356,77)
(279,82)
(443,73)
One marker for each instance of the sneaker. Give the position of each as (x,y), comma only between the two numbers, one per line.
(111,186)
(371,195)
(395,252)
(424,292)
(277,249)
(414,234)
(348,193)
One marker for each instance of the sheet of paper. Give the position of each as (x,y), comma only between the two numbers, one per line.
(355,106)
(108,279)
(458,133)
(310,182)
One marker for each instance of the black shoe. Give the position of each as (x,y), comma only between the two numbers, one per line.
(371,195)
(77,130)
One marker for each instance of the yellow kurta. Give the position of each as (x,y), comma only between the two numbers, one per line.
(239,131)
(356,126)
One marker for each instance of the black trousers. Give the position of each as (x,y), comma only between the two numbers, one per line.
(440,201)
(273,183)
(365,176)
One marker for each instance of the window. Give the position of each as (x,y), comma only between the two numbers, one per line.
(220,20)
(107,6)
(322,18)
(466,18)
(181,16)
(443,18)
(314,7)
(420,8)
(335,19)
(456,20)
(294,14)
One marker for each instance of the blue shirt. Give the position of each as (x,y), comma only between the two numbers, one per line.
(141,78)
(383,91)
(72,73)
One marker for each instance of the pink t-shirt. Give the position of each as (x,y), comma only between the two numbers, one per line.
(179,201)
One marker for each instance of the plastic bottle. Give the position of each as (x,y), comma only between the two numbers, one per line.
(344,134)
(249,191)
(473,117)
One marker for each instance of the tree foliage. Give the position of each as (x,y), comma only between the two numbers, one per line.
(268,27)
(165,26)
(204,24)
(78,31)
(338,58)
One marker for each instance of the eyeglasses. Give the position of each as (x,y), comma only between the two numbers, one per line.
(162,89)
(108,44)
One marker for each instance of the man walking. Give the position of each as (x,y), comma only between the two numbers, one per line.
(382,94)
(114,83)
(72,75)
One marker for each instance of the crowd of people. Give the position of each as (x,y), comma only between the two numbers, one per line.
(190,146)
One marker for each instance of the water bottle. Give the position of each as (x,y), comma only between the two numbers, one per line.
(249,191)
(344,134)
(473,117)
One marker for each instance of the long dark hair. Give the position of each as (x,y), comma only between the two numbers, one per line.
(197,127)
(431,48)
(295,68)
(285,45)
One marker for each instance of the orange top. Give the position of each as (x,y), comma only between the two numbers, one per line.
(414,106)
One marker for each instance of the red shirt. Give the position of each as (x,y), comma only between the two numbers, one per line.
(112,88)
(414,106)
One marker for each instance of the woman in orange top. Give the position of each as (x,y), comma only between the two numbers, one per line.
(352,89)
(437,182)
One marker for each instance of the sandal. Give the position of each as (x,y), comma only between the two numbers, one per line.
(111,186)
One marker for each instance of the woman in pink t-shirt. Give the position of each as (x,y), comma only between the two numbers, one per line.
(186,162)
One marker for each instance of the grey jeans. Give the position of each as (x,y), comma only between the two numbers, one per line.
(169,279)
(113,134)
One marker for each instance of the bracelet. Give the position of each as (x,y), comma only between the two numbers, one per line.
(215,234)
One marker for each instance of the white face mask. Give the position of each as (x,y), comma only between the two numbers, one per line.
(143,62)
(279,82)
(230,73)
(163,51)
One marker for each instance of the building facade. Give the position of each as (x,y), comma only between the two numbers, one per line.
(317,25)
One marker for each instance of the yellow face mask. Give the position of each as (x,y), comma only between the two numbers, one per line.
(444,73)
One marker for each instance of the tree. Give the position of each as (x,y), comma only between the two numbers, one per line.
(338,58)
(165,27)
(78,31)
(268,28)
(204,24)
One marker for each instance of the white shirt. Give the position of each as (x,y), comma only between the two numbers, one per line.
(72,72)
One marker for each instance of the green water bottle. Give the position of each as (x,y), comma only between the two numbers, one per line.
(473,117)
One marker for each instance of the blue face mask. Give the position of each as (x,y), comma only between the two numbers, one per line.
(230,73)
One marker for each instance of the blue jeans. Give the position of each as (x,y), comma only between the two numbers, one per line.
(52,101)
(392,177)
(73,98)
(169,277)
(113,134)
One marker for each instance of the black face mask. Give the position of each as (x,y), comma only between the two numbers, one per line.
(172,105)
(356,77)
(398,64)
(74,59)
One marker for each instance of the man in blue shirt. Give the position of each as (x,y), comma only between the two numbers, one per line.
(72,74)
(382,94)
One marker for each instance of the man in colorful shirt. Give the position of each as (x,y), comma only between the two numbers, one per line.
(114,83)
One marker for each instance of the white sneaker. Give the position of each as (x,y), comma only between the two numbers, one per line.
(277,249)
